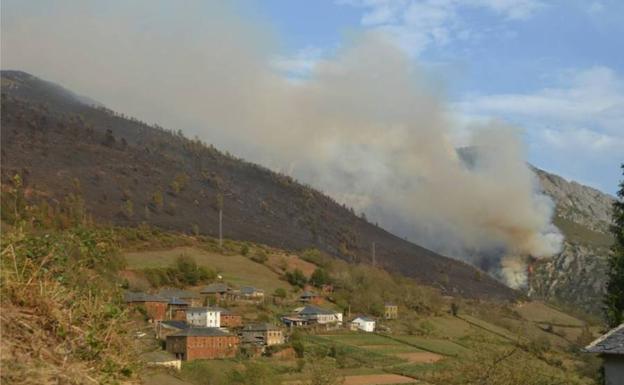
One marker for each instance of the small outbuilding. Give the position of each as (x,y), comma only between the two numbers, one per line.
(391,311)
(611,348)
(363,323)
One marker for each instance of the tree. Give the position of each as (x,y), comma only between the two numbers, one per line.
(296,278)
(280,293)
(614,298)
(320,277)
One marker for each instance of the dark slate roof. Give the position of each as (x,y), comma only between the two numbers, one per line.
(204,308)
(364,318)
(172,292)
(312,310)
(130,296)
(175,324)
(610,343)
(201,332)
(250,290)
(262,327)
(177,301)
(223,310)
(218,287)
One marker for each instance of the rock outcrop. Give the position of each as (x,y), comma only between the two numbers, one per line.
(576,276)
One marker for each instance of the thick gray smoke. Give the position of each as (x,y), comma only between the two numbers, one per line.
(365,127)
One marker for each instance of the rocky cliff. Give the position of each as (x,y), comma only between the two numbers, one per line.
(575,276)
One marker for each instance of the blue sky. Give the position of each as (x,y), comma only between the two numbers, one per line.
(553,68)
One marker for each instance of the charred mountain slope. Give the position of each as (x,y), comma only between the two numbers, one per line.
(130,173)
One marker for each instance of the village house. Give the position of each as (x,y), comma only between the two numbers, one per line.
(218,291)
(249,293)
(309,296)
(313,315)
(176,309)
(611,348)
(363,323)
(391,311)
(192,299)
(204,317)
(202,343)
(229,319)
(167,328)
(154,305)
(263,334)
(294,321)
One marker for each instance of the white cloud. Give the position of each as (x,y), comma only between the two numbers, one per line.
(575,127)
(591,97)
(415,25)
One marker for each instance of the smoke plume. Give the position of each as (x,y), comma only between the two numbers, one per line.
(367,126)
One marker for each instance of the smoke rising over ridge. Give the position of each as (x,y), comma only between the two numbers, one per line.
(365,127)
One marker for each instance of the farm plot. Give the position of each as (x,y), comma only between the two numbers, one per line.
(378,379)
(434,345)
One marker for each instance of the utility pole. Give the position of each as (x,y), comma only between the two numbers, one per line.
(220,207)
(374,257)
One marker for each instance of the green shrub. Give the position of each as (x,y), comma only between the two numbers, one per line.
(296,278)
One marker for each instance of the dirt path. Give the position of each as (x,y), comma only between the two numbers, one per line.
(378,379)
(421,357)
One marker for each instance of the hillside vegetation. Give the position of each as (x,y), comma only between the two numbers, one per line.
(128,173)
(62,320)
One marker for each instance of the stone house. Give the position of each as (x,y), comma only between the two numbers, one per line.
(172,293)
(176,309)
(229,319)
(154,305)
(611,348)
(202,343)
(363,323)
(391,311)
(317,315)
(206,317)
(218,291)
(263,334)
(249,293)
(309,296)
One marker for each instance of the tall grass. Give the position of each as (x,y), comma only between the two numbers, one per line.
(62,320)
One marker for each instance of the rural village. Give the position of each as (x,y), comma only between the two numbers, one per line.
(198,325)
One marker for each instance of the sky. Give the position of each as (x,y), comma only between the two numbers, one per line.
(553,69)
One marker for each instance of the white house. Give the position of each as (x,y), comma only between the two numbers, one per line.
(364,323)
(204,316)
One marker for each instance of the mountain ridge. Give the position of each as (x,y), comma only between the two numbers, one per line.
(131,173)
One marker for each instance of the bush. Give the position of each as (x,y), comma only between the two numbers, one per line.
(320,277)
(260,256)
(296,278)
(183,272)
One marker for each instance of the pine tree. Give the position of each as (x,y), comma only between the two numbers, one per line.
(614,299)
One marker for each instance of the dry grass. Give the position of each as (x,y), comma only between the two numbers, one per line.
(58,326)
(237,269)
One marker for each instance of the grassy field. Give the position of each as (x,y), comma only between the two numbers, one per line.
(539,312)
(435,345)
(236,269)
